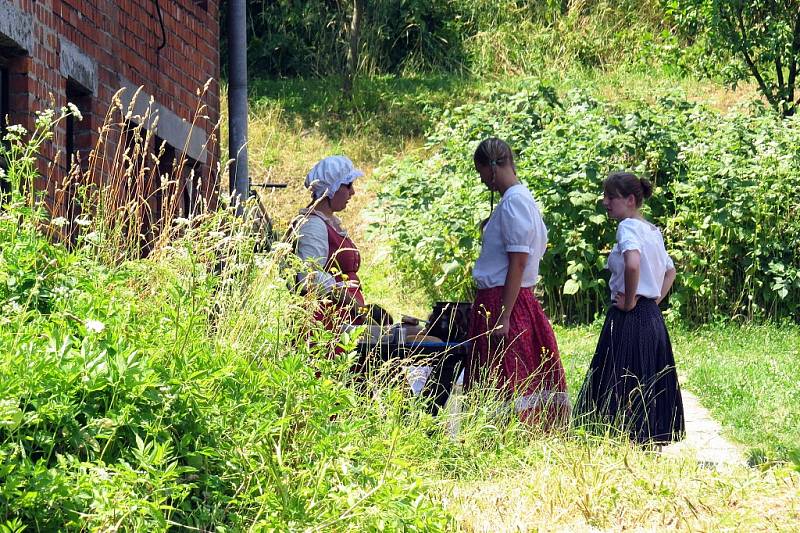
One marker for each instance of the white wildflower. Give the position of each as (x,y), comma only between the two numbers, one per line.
(94,326)
(82,221)
(44,119)
(15,132)
(102,474)
(74,111)
(59,222)
(61,291)
(282,247)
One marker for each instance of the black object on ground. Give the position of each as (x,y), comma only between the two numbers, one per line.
(446,358)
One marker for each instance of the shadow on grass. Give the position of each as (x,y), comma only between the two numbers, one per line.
(390,107)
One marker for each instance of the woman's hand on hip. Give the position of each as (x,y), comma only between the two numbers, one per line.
(619,302)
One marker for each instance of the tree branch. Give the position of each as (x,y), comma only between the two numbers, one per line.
(779,59)
(795,53)
(352,51)
(743,46)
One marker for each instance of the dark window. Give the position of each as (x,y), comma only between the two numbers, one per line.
(77,145)
(78,142)
(70,142)
(4,93)
(137,186)
(189,185)
(170,189)
(13,110)
(202,4)
(179,190)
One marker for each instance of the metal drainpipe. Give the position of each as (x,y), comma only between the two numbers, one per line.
(237,102)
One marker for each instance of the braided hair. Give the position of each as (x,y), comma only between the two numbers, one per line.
(493,152)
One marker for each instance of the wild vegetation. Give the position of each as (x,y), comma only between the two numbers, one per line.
(181,391)
(725,184)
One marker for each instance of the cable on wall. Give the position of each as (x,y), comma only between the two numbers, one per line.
(163,29)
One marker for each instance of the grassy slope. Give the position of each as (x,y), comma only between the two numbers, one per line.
(552,484)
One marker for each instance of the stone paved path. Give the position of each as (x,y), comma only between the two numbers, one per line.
(704,439)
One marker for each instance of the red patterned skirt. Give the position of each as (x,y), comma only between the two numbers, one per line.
(525,367)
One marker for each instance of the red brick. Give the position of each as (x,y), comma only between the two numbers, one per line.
(122,38)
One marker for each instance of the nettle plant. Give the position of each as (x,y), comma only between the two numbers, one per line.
(726,197)
(181,390)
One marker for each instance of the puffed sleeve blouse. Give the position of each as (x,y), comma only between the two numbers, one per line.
(516,225)
(635,234)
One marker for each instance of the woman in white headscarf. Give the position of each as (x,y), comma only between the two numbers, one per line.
(324,244)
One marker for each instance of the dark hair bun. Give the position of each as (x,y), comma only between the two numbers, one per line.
(647,188)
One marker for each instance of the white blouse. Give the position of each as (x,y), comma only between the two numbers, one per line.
(516,225)
(635,234)
(312,247)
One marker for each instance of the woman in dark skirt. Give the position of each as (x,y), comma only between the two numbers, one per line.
(514,348)
(632,384)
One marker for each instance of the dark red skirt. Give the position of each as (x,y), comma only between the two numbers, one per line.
(526,368)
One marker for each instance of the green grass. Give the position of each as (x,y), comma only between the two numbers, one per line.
(603,486)
(182,392)
(390,109)
(749,377)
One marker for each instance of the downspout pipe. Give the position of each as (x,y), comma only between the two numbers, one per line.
(237,103)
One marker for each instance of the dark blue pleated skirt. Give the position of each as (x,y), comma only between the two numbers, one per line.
(631,385)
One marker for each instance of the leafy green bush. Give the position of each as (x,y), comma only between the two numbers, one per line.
(182,390)
(727,194)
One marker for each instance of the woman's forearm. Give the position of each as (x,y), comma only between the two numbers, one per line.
(516,267)
(631,285)
(631,278)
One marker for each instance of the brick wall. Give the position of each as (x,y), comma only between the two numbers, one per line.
(86,50)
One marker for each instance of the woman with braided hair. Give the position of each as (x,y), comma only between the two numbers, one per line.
(514,347)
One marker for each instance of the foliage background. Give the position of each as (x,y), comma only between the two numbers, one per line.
(726,186)
(287,38)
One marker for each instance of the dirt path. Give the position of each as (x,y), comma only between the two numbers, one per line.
(704,439)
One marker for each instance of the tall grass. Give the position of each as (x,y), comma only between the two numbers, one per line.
(180,391)
(463,37)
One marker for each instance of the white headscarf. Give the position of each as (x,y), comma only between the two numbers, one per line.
(329,174)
